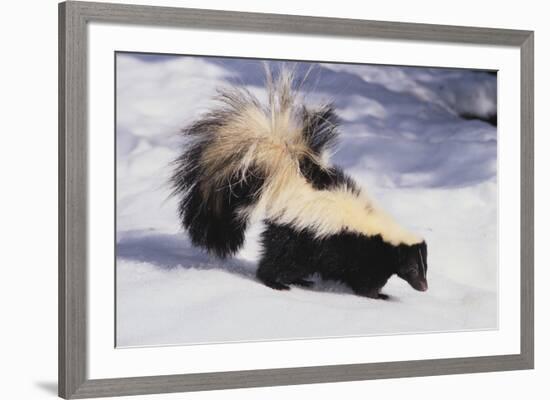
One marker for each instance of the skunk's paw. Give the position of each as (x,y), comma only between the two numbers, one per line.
(303,283)
(277,285)
(374,294)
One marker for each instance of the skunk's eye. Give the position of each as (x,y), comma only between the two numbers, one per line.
(412,271)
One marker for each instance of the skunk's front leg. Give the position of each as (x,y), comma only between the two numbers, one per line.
(375,294)
(372,292)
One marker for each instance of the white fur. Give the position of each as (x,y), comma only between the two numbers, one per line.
(328,212)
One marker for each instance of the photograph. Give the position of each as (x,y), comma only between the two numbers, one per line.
(263,200)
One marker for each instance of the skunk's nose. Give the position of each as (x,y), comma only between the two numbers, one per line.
(423,286)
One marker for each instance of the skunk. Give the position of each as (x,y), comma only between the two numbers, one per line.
(248,159)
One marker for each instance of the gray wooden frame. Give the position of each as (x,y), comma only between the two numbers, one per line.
(73,172)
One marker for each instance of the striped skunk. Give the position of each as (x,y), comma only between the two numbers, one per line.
(246,160)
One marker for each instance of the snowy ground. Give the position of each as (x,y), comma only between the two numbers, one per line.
(403,138)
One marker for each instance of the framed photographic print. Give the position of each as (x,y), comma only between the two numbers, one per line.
(254,200)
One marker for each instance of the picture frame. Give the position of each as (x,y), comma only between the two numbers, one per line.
(74,18)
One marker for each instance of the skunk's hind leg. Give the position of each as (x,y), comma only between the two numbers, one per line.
(282,263)
(302,282)
(279,276)
(270,275)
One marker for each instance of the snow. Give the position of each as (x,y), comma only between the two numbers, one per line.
(403,138)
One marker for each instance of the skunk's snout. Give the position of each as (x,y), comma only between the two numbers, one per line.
(418,284)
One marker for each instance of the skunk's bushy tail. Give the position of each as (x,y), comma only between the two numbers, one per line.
(242,153)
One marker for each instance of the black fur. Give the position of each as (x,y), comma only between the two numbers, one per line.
(325,178)
(363,263)
(212,222)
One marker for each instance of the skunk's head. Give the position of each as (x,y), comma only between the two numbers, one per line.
(413,265)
